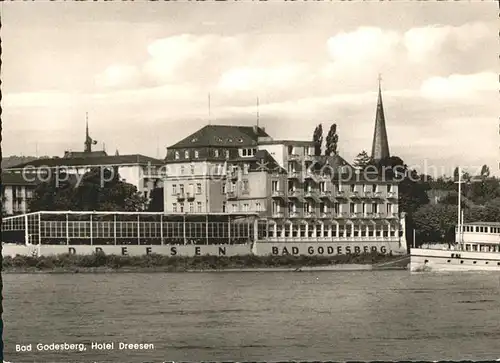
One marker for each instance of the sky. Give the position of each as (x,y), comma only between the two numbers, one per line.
(143,72)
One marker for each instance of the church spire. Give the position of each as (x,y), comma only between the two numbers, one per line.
(380,146)
(88,141)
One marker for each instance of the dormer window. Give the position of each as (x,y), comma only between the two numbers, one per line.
(186,154)
(177,156)
(196,154)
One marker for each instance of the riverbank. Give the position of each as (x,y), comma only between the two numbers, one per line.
(101,263)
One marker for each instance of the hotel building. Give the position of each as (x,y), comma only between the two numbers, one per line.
(297,194)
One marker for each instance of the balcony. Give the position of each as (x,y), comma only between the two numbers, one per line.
(294,214)
(326,214)
(310,214)
(340,194)
(181,196)
(377,195)
(278,215)
(367,194)
(392,195)
(232,175)
(232,195)
(310,193)
(354,194)
(325,193)
(294,193)
(308,157)
(293,157)
(277,194)
(189,196)
(293,174)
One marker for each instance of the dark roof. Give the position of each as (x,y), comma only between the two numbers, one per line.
(334,161)
(94,160)
(11,178)
(222,136)
(84,154)
(287,142)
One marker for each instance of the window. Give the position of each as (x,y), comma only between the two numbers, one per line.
(336,207)
(177,156)
(233,186)
(374,208)
(389,188)
(352,186)
(235,207)
(174,189)
(364,208)
(196,154)
(192,169)
(191,207)
(246,207)
(307,207)
(223,188)
(174,207)
(216,153)
(181,188)
(146,194)
(245,169)
(198,188)
(322,207)
(182,169)
(276,207)
(224,207)
(290,150)
(352,207)
(181,205)
(374,188)
(322,186)
(245,186)
(258,207)
(227,154)
(186,154)
(244,152)
(274,186)
(198,207)
(389,209)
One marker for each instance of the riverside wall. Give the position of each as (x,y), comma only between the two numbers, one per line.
(258,248)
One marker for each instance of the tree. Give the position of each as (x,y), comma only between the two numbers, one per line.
(435,223)
(96,192)
(156,203)
(455,174)
(485,172)
(331,141)
(362,160)
(318,139)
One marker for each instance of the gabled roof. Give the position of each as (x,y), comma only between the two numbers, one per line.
(222,136)
(333,161)
(91,161)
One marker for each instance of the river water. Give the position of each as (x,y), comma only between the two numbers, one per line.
(254,316)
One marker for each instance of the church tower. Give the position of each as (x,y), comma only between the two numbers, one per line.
(380,146)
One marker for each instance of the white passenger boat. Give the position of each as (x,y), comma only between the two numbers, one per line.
(477,248)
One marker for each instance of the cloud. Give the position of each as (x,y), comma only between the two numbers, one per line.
(247,79)
(459,86)
(427,42)
(363,44)
(118,76)
(40,99)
